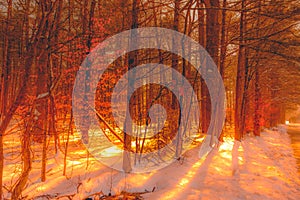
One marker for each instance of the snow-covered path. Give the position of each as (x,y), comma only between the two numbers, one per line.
(261,168)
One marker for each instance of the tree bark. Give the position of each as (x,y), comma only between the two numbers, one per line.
(240,78)
(4,80)
(212,47)
(223,45)
(132,62)
(257,92)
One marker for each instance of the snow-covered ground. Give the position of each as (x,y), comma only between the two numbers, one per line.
(257,168)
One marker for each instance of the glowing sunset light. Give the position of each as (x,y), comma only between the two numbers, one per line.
(184,181)
(75,162)
(155,100)
(111,152)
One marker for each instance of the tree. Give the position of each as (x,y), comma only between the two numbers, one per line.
(212,47)
(241,78)
(132,62)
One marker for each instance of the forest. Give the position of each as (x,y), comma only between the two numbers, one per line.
(45,44)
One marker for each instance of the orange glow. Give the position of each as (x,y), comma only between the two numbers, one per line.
(227,144)
(199,139)
(74,162)
(137,180)
(225,149)
(111,152)
(41,188)
(184,181)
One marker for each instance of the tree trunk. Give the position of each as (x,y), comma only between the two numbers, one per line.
(132,62)
(223,48)
(4,80)
(240,79)
(223,42)
(175,65)
(1,165)
(257,92)
(26,157)
(175,48)
(70,131)
(44,153)
(212,47)
(257,101)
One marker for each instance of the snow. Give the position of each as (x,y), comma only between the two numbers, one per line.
(256,168)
